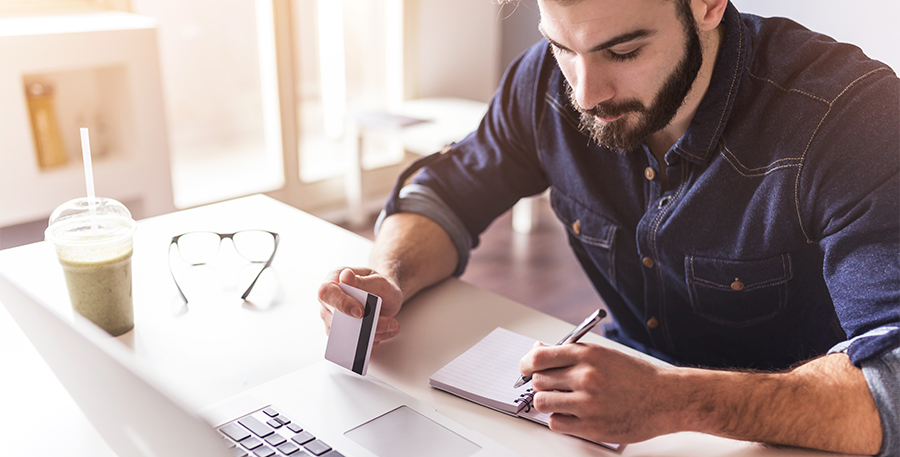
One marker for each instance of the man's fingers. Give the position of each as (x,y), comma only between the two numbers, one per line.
(326,314)
(386,328)
(548,357)
(332,298)
(331,295)
(349,278)
(566,424)
(367,280)
(553,379)
(557,402)
(386,325)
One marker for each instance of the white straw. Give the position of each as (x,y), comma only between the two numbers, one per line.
(89,178)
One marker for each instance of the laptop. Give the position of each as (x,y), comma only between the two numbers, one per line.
(321,410)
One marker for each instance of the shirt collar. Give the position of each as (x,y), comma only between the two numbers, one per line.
(698,144)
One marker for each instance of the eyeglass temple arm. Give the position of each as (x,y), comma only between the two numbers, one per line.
(267,265)
(169,260)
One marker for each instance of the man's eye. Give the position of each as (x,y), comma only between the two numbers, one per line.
(623,57)
(559,50)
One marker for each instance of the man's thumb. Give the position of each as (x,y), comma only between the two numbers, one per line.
(349,278)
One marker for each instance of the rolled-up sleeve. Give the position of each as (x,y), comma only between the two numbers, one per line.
(850,188)
(419,199)
(482,176)
(882,374)
(860,235)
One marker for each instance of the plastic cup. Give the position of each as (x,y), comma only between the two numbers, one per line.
(97,264)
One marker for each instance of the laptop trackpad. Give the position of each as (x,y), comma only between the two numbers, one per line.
(403,432)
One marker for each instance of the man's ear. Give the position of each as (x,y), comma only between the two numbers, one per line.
(708,13)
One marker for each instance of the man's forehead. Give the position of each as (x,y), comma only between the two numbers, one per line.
(611,8)
(603,19)
(572,2)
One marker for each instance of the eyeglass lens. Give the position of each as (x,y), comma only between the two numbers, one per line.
(197,248)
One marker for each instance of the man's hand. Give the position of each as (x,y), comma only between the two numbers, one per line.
(597,393)
(604,395)
(411,252)
(332,298)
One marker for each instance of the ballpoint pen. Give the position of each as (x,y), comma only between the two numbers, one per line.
(572,337)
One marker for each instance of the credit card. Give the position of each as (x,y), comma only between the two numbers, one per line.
(350,339)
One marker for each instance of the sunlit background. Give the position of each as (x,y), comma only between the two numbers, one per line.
(313,102)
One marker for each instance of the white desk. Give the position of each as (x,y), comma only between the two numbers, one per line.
(220,346)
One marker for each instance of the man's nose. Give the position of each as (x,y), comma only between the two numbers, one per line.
(594,85)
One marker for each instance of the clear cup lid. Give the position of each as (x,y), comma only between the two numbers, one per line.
(72,221)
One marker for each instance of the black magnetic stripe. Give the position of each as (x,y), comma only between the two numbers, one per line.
(362,345)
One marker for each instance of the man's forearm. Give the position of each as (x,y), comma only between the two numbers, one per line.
(824,404)
(414,252)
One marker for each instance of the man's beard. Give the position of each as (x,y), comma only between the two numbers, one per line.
(616,134)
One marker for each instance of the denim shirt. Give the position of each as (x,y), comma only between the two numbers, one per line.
(778,236)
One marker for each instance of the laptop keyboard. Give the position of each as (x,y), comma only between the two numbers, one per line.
(268,433)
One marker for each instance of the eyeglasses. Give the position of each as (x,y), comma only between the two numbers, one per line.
(198,248)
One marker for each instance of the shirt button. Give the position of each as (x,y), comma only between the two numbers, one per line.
(652,323)
(649,173)
(737,285)
(576,227)
(648,262)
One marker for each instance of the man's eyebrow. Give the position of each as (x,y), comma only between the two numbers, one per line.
(623,38)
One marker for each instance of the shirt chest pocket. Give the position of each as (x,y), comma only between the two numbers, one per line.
(595,233)
(738,293)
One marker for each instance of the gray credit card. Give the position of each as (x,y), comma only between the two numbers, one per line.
(350,339)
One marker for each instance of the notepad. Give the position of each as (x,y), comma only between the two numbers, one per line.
(486,372)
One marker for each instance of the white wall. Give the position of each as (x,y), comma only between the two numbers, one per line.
(518,30)
(456,49)
(870,24)
(209,60)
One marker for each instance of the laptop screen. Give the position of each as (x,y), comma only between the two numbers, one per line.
(130,410)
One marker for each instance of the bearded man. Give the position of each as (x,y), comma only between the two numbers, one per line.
(730,186)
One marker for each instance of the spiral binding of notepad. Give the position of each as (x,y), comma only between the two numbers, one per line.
(525,401)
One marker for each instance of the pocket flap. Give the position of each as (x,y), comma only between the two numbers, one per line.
(588,226)
(738,275)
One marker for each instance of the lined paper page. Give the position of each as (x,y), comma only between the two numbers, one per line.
(487,371)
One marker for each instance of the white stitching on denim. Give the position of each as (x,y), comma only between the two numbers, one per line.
(654,250)
(786,276)
(757,168)
(814,97)
(809,143)
(768,169)
(560,109)
(611,259)
(594,241)
(548,97)
(730,89)
(607,244)
(537,132)
(789,90)
(699,158)
(800,172)
(857,80)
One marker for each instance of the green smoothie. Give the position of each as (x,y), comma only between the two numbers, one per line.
(100,290)
(93,241)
